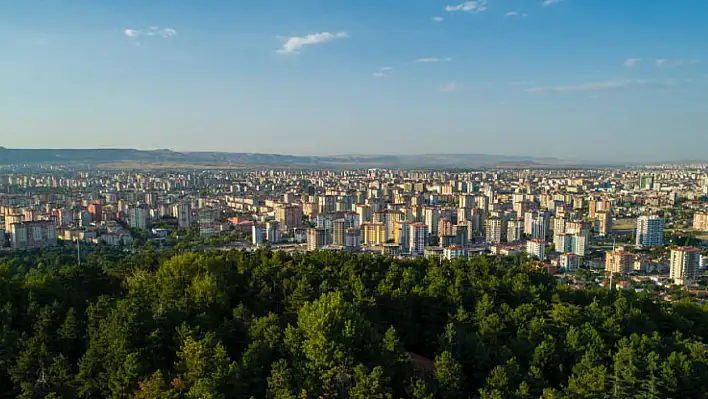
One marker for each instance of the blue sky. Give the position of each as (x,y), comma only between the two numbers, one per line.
(573,79)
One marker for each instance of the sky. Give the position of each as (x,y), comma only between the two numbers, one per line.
(605,80)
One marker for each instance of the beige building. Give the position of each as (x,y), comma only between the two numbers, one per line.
(700,221)
(619,262)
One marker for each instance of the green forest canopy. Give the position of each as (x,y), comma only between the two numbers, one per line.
(332,325)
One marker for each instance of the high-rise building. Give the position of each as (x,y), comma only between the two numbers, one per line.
(339,230)
(373,233)
(559,225)
(138,217)
(685,262)
(316,238)
(539,227)
(461,232)
(619,262)
(466,201)
(529,217)
(389,218)
(444,227)
(646,182)
(700,221)
(418,235)
(273,231)
(704,185)
(96,211)
(520,208)
(650,231)
(463,214)
(289,216)
(430,218)
(592,208)
(563,243)
(536,248)
(494,230)
(352,239)
(483,202)
(258,234)
(514,230)
(327,204)
(30,235)
(183,213)
(569,262)
(579,243)
(402,237)
(604,222)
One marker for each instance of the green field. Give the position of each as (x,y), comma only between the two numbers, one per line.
(624,224)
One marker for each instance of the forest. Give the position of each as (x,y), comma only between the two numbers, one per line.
(263,324)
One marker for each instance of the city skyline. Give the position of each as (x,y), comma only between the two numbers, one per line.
(569,79)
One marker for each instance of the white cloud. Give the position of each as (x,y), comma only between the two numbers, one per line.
(515,14)
(547,3)
(631,62)
(167,32)
(293,44)
(667,63)
(437,19)
(433,59)
(383,71)
(450,87)
(591,86)
(474,6)
(151,31)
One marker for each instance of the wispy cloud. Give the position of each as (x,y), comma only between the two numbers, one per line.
(437,19)
(515,14)
(292,45)
(547,3)
(151,31)
(451,86)
(590,86)
(474,6)
(433,59)
(384,71)
(631,62)
(668,63)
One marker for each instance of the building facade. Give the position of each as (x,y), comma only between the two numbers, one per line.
(619,262)
(685,262)
(650,231)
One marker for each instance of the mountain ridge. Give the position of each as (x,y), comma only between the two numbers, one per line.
(230,159)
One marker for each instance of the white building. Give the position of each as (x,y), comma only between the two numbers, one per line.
(685,263)
(650,231)
(579,243)
(494,230)
(272,229)
(418,235)
(563,242)
(536,248)
(569,262)
(454,251)
(258,234)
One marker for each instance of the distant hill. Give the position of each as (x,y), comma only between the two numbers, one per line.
(118,156)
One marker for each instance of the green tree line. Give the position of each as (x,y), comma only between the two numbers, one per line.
(332,325)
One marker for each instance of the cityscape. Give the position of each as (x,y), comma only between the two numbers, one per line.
(631,226)
(351,199)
